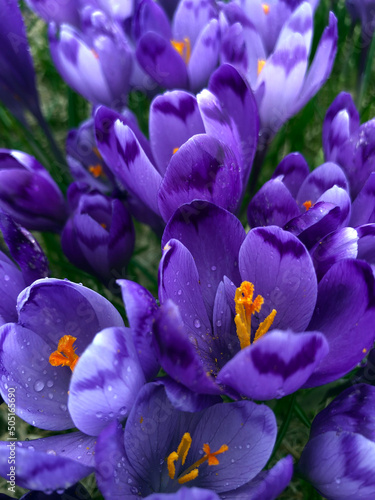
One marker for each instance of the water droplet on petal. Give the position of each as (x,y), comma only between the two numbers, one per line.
(39,385)
(49,383)
(99,414)
(197,323)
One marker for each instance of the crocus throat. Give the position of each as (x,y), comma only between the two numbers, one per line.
(183,48)
(96,170)
(183,449)
(266,8)
(65,354)
(245,308)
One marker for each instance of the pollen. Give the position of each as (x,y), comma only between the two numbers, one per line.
(183,48)
(180,457)
(266,8)
(65,354)
(261,64)
(96,170)
(307,204)
(245,308)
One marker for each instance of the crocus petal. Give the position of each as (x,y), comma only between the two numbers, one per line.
(277,364)
(105,381)
(320,180)
(126,158)
(52,463)
(150,16)
(175,111)
(41,391)
(53,308)
(283,76)
(141,309)
(191,17)
(24,249)
(345,310)
(238,101)
(363,207)
(184,399)
(321,66)
(339,197)
(272,205)
(177,355)
(11,284)
(75,492)
(161,61)
(294,170)
(205,56)
(301,21)
(267,485)
(341,120)
(339,465)
(186,494)
(282,272)
(203,168)
(213,236)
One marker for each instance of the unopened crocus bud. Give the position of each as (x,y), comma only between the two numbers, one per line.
(29,194)
(96,61)
(99,236)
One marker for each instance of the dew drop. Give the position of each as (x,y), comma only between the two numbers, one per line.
(179,292)
(213,268)
(123,410)
(39,385)
(99,414)
(63,407)
(31,447)
(51,452)
(197,323)
(49,383)
(218,322)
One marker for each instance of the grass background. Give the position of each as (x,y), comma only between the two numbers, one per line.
(64,109)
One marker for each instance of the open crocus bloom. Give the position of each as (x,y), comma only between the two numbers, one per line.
(167,453)
(211,275)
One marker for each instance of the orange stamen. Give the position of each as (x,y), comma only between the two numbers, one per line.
(261,64)
(307,204)
(96,170)
(266,8)
(175,150)
(65,354)
(183,48)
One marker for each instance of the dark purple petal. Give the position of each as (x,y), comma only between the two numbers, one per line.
(11,284)
(186,494)
(185,400)
(238,101)
(191,17)
(363,207)
(176,353)
(214,237)
(340,465)
(150,16)
(175,111)
(277,364)
(341,120)
(345,313)
(294,170)
(161,61)
(48,464)
(267,485)
(125,157)
(105,381)
(282,272)
(141,308)
(205,169)
(75,492)
(272,205)
(319,181)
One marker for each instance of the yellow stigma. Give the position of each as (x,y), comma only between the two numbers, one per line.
(261,64)
(245,308)
(183,48)
(307,205)
(175,150)
(65,354)
(183,449)
(266,8)
(96,170)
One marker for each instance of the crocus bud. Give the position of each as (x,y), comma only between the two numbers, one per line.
(96,61)
(29,194)
(99,236)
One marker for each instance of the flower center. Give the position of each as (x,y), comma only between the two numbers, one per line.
(183,449)
(245,308)
(65,354)
(307,204)
(96,170)
(266,8)
(183,48)
(261,64)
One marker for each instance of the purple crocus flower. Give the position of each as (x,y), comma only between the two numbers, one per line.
(208,156)
(76,492)
(338,458)
(59,11)
(212,281)
(17,78)
(165,453)
(99,235)
(32,265)
(280,77)
(29,194)
(95,61)
(183,54)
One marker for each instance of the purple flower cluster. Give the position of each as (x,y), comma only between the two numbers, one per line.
(172,395)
